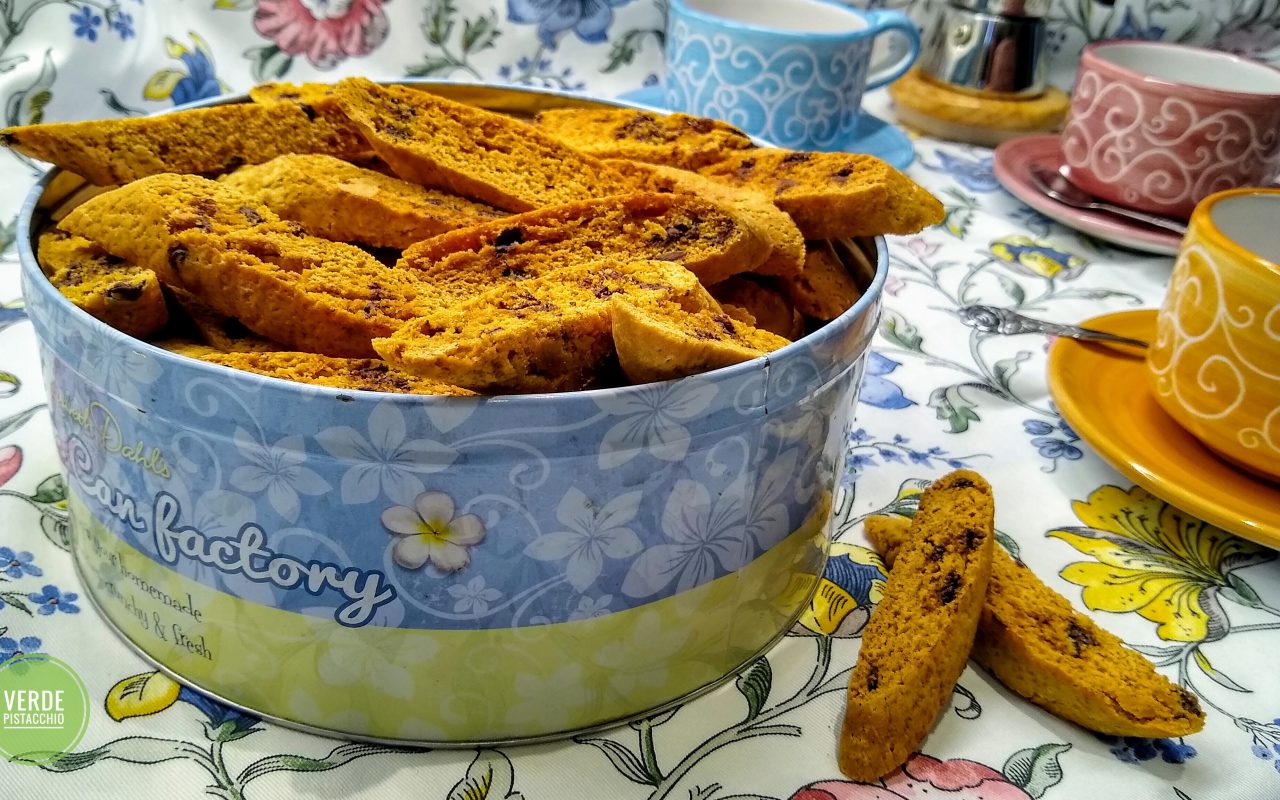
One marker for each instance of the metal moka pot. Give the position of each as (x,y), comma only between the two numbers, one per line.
(988,47)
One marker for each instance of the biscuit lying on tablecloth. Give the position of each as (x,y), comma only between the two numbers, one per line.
(918,639)
(1036,644)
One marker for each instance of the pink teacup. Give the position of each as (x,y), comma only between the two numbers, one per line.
(1159,127)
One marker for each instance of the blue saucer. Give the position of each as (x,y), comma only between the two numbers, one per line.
(874,136)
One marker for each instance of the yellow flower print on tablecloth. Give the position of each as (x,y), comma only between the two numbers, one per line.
(1162,563)
(1037,258)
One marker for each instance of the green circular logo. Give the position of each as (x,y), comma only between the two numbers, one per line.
(44,709)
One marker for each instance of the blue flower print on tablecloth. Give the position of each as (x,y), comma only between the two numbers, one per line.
(278,470)
(197,81)
(1132,749)
(1266,739)
(589,19)
(1053,440)
(975,172)
(52,600)
(879,391)
(326,32)
(384,460)
(652,420)
(592,533)
(863,450)
(86,23)
(706,540)
(12,648)
(429,535)
(1037,258)
(1131,29)
(122,23)
(17,564)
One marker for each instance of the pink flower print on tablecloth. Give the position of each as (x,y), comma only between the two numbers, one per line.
(325,31)
(923,778)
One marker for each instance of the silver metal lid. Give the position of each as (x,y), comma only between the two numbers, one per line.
(984,53)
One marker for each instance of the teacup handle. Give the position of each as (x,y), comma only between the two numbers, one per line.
(884,21)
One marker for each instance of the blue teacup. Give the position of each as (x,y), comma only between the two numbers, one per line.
(789,71)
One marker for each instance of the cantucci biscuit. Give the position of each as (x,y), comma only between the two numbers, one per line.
(340,201)
(769,309)
(832,195)
(479,154)
(199,140)
(696,234)
(365,374)
(659,341)
(825,289)
(218,331)
(1036,644)
(918,639)
(126,297)
(302,291)
(545,334)
(677,140)
(786,244)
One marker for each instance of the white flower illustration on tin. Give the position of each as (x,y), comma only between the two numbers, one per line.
(592,534)
(473,597)
(591,607)
(428,534)
(703,533)
(767,519)
(277,470)
(385,460)
(653,420)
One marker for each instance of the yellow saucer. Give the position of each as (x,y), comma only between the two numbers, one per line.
(1103,393)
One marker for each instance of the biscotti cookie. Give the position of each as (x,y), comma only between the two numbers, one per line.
(472,152)
(694,233)
(542,335)
(825,289)
(218,331)
(340,201)
(137,221)
(366,374)
(1035,643)
(768,308)
(125,296)
(660,341)
(918,639)
(833,195)
(200,140)
(304,292)
(786,244)
(677,140)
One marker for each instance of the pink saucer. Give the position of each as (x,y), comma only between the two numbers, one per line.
(1013,161)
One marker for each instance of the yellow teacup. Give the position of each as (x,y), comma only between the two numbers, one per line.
(1216,357)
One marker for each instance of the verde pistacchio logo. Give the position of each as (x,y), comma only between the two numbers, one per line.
(44,709)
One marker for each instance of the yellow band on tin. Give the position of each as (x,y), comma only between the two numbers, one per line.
(443,686)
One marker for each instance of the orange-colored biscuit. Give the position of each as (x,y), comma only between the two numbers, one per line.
(918,639)
(494,158)
(825,289)
(1036,644)
(833,195)
(677,140)
(545,334)
(200,140)
(769,309)
(694,233)
(340,201)
(126,297)
(786,245)
(658,340)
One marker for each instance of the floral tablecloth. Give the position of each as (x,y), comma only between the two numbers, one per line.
(938,395)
